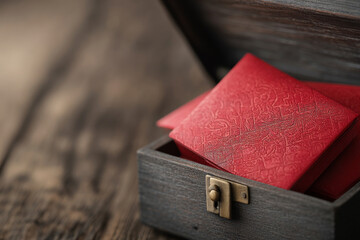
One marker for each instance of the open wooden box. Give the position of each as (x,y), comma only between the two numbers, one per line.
(311,40)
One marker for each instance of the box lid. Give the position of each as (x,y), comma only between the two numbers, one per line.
(310,40)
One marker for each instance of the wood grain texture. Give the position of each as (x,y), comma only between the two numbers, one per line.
(31,46)
(179,186)
(92,83)
(344,7)
(310,40)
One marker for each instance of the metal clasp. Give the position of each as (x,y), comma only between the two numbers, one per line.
(220,193)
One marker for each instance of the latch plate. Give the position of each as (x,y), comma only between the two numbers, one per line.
(229,191)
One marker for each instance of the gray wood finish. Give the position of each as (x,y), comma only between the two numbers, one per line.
(172,198)
(343,7)
(311,40)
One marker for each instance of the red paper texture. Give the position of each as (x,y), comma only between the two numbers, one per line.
(175,117)
(264,125)
(344,172)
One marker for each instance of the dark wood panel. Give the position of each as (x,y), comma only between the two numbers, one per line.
(308,43)
(172,195)
(348,214)
(344,7)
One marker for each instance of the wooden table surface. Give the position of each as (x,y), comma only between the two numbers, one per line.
(82,84)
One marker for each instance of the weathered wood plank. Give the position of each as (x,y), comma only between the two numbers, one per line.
(71,172)
(344,7)
(310,40)
(33,41)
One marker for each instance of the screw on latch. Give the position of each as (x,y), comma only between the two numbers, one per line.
(244,195)
(214,195)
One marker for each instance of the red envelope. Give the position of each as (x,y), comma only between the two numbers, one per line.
(174,118)
(344,172)
(264,125)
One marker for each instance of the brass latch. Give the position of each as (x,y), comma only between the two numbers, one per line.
(220,193)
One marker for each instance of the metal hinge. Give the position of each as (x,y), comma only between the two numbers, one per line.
(220,193)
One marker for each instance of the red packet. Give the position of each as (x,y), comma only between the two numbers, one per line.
(264,125)
(174,118)
(344,172)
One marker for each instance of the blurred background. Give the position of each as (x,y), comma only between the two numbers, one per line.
(81,85)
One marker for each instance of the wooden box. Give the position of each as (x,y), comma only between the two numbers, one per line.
(311,40)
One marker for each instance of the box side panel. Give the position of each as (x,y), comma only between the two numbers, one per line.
(347,215)
(172,198)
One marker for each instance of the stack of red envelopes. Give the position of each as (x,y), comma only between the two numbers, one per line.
(264,125)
